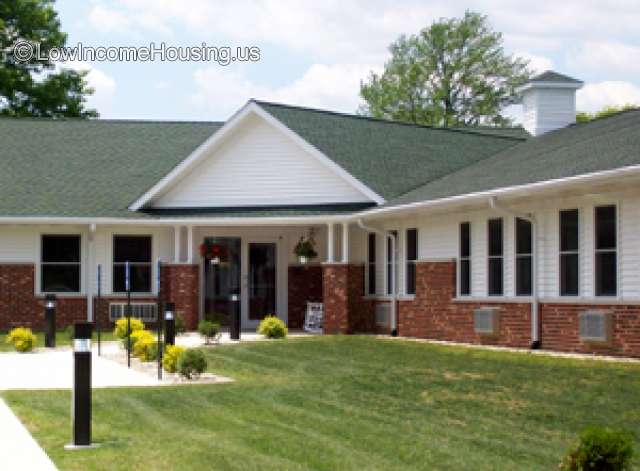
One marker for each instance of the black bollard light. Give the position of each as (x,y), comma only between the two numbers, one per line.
(81,400)
(169,324)
(50,321)
(234,316)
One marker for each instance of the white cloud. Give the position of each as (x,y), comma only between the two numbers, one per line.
(536,63)
(104,86)
(221,91)
(595,96)
(614,57)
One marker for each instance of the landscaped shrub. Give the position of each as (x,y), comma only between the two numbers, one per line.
(146,345)
(68,333)
(272,327)
(22,339)
(180,325)
(191,363)
(170,358)
(121,327)
(208,330)
(602,449)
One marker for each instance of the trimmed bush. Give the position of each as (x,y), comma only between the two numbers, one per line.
(144,345)
(601,448)
(180,325)
(272,328)
(170,358)
(22,339)
(121,327)
(191,363)
(208,330)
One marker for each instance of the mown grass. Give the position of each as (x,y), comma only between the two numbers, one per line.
(350,403)
(62,339)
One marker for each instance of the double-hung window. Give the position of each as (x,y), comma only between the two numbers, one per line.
(136,250)
(390,267)
(412,257)
(606,263)
(569,252)
(371,264)
(524,258)
(496,257)
(60,264)
(464,282)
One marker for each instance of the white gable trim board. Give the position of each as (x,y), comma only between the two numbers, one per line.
(255,160)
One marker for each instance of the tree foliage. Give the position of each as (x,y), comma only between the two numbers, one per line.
(35,87)
(583,117)
(452,73)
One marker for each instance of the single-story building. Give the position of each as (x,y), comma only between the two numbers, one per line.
(524,237)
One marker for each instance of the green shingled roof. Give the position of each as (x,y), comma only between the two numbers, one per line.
(602,144)
(389,157)
(80,168)
(551,76)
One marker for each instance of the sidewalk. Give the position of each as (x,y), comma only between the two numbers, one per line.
(18,449)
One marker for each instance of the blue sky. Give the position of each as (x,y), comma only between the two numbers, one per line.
(315,53)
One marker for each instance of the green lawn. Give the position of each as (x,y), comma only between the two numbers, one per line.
(62,339)
(343,402)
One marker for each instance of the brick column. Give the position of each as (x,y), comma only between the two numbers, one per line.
(345,311)
(305,285)
(181,285)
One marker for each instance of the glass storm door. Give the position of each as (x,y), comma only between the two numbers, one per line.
(261,277)
(221,279)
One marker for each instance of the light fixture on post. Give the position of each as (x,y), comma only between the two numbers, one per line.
(50,320)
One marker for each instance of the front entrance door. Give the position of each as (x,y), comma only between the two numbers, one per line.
(248,268)
(260,274)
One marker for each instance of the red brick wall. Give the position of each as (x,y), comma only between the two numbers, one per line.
(20,307)
(344,309)
(181,285)
(304,285)
(560,329)
(434,314)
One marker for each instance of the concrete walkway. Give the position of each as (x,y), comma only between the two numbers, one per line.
(18,449)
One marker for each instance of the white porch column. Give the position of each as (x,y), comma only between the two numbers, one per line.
(345,242)
(90,276)
(190,244)
(176,244)
(330,243)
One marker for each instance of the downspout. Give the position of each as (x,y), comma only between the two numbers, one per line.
(535,328)
(394,297)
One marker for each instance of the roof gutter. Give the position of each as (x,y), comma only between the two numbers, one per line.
(535,304)
(394,269)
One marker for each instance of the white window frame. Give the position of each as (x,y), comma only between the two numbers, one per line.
(373,264)
(461,258)
(517,255)
(388,262)
(413,262)
(490,257)
(569,252)
(616,251)
(38,282)
(151,265)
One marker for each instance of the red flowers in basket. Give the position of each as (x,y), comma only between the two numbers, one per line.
(211,251)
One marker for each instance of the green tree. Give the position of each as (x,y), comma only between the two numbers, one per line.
(610,110)
(453,73)
(34,87)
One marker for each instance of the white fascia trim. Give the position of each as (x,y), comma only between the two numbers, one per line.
(567,85)
(321,157)
(200,152)
(482,195)
(227,221)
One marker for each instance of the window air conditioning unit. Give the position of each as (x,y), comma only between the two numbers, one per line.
(146,312)
(486,320)
(383,311)
(596,326)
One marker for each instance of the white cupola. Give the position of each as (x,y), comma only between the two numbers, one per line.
(549,102)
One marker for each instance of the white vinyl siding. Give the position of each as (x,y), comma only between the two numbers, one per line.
(259,166)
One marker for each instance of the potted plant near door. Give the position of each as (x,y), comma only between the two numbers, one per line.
(214,253)
(305,249)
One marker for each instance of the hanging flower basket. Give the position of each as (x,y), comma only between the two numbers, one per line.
(305,249)
(215,253)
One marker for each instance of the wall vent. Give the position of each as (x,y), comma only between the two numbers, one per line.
(383,311)
(486,321)
(146,312)
(595,326)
